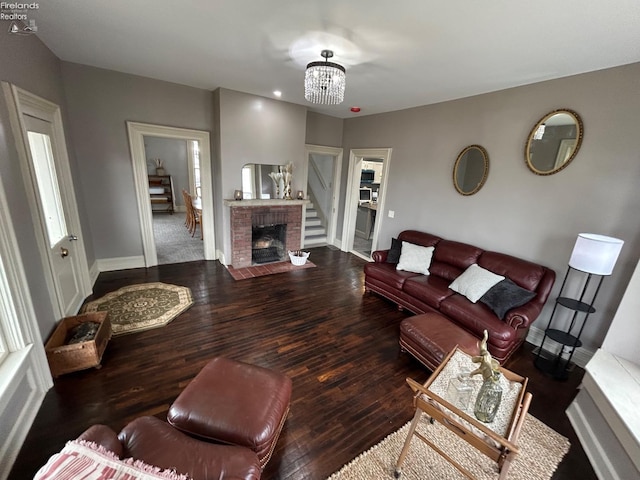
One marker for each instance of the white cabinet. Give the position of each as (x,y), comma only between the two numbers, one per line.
(377,170)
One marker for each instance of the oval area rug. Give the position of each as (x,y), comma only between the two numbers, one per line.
(143,306)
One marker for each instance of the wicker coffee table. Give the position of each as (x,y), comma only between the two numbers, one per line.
(497,440)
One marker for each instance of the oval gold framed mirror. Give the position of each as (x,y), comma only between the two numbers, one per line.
(470,170)
(553,142)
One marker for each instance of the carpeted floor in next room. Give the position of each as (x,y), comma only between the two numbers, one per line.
(174,243)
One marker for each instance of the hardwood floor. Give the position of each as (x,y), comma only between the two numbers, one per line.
(340,348)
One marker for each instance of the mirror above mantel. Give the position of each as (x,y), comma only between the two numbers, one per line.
(553,142)
(256,182)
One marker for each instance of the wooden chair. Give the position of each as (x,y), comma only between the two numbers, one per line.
(501,449)
(187,220)
(193,217)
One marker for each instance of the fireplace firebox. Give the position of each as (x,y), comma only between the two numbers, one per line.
(268,243)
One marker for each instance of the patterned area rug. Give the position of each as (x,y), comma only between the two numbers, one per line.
(142,307)
(541,450)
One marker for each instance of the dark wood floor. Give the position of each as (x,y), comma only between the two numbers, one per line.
(340,348)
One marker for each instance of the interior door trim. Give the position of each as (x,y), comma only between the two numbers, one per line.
(337,153)
(136,132)
(356,156)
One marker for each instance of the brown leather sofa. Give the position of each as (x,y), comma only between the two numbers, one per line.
(157,443)
(431,293)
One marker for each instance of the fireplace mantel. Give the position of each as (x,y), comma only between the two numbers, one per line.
(263,203)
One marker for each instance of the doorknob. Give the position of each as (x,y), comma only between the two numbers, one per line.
(72,238)
(64,252)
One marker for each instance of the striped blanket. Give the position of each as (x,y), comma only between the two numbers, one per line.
(88,461)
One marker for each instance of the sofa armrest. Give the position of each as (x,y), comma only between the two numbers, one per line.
(380,256)
(103,436)
(524,316)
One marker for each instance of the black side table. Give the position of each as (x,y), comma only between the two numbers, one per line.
(556,365)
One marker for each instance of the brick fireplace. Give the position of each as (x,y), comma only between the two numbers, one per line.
(246,214)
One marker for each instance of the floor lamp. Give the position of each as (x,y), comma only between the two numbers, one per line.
(592,255)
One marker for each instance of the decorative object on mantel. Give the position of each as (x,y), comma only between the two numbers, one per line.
(300,195)
(237,195)
(143,306)
(287,176)
(594,255)
(159,168)
(298,257)
(490,394)
(277,181)
(324,82)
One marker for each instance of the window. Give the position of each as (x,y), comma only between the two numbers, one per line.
(196,167)
(45,173)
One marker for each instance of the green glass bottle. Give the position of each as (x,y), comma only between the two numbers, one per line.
(488,399)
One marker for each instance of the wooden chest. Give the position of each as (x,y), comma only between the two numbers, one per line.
(65,358)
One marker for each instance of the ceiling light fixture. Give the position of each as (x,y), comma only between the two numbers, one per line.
(324,82)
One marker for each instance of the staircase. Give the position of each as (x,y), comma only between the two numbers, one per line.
(315,233)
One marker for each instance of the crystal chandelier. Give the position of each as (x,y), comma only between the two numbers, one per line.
(324,82)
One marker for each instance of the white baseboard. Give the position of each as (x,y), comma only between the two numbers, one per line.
(94,271)
(121,263)
(580,357)
(221,257)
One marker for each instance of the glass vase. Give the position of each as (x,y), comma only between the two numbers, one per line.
(459,390)
(488,399)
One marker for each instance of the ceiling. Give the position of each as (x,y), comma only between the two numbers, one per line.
(397,54)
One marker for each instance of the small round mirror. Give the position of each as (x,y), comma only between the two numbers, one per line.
(553,142)
(470,170)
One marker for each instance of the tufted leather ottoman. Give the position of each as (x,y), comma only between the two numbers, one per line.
(430,337)
(235,403)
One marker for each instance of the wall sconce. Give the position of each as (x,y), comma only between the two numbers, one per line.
(237,195)
(300,195)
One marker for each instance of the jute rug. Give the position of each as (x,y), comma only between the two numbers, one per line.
(541,450)
(142,307)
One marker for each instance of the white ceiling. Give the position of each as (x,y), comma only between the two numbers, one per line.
(398,54)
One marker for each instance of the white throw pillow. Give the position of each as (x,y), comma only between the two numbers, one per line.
(475,282)
(415,258)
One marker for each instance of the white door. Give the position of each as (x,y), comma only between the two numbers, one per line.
(60,241)
(44,162)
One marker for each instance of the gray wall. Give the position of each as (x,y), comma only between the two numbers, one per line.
(29,64)
(173,154)
(100,102)
(518,212)
(254,129)
(324,130)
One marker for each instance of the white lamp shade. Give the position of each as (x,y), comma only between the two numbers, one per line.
(595,254)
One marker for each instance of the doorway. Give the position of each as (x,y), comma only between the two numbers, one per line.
(322,169)
(137,133)
(364,200)
(173,169)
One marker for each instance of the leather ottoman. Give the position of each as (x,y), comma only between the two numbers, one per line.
(235,403)
(429,337)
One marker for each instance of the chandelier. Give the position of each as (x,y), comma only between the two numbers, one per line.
(324,82)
